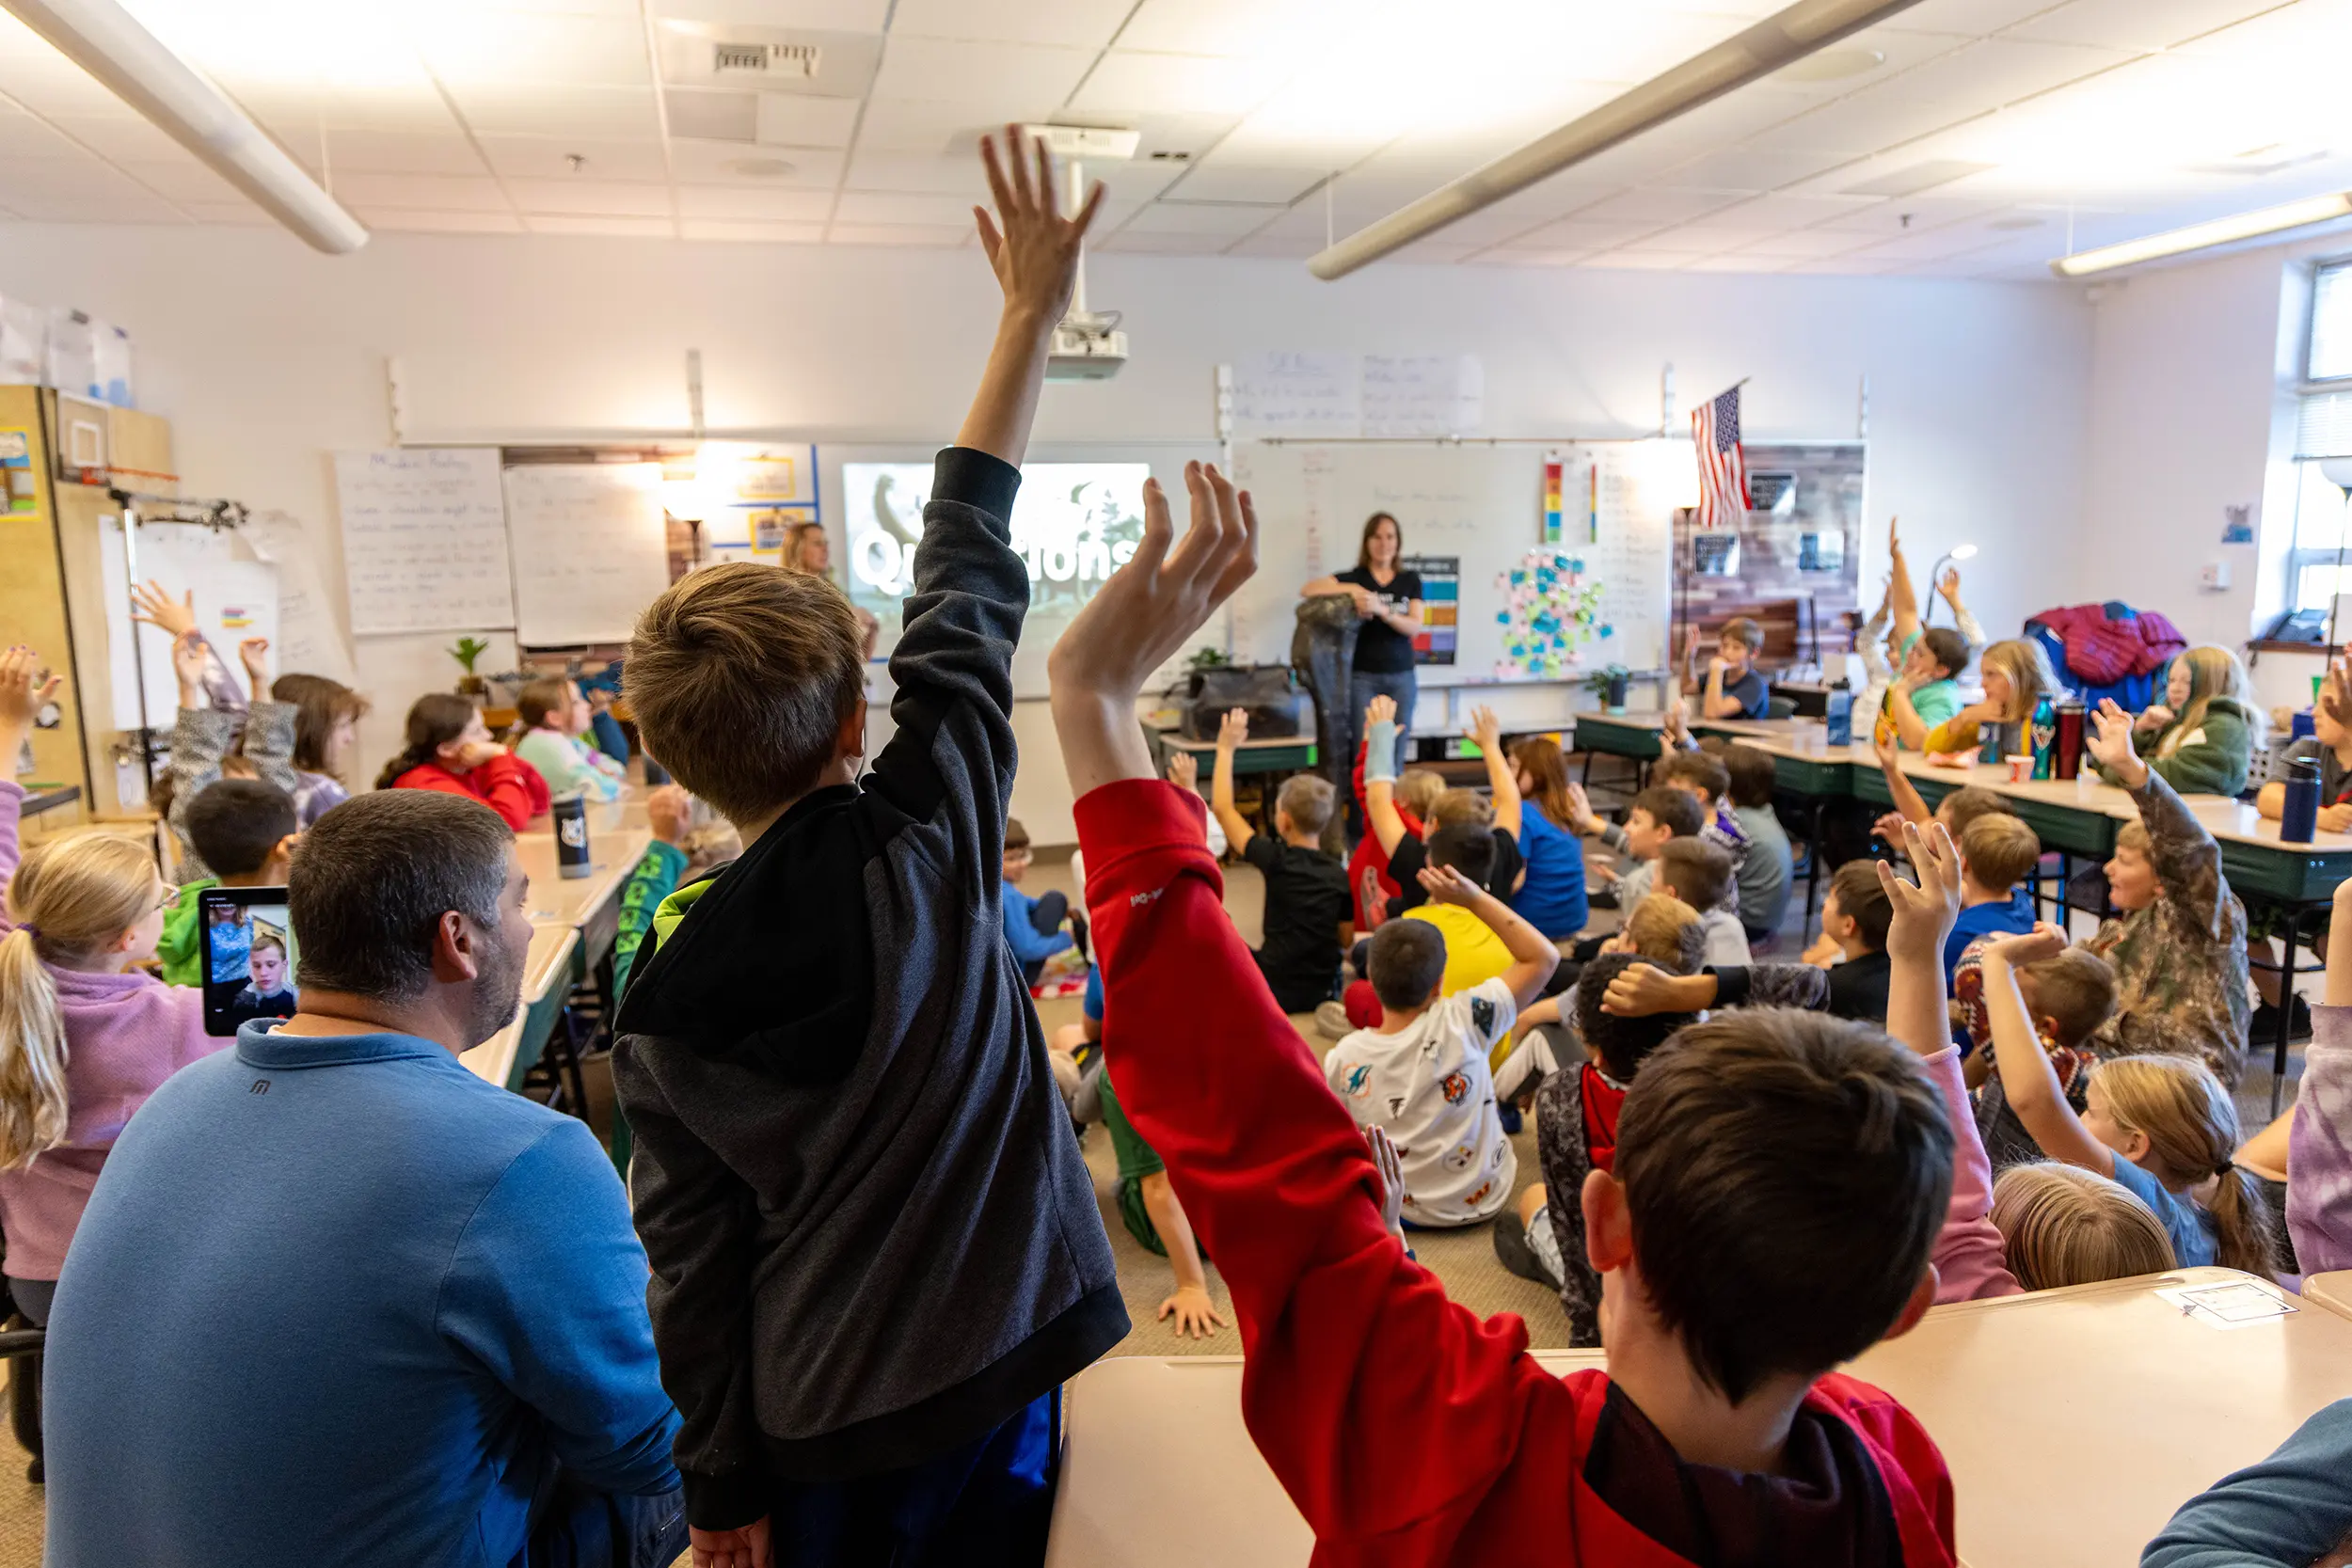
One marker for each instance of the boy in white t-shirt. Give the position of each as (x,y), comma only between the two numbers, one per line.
(1421,1076)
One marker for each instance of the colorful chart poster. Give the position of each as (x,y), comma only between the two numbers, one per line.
(1440,633)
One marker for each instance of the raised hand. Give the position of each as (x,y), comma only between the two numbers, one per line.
(1391,1169)
(1381,710)
(189,660)
(2044,940)
(2335,693)
(1581,807)
(1486,729)
(26,688)
(2109,744)
(1184,771)
(253,653)
(1032,246)
(1194,1311)
(1889,752)
(1925,911)
(668,810)
(1232,728)
(151,606)
(1445,884)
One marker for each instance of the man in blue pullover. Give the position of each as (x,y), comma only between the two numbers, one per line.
(337,1300)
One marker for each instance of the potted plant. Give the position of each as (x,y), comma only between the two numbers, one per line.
(468,651)
(1608,683)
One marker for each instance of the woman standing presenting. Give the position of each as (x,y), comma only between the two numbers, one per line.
(1388,600)
(807,549)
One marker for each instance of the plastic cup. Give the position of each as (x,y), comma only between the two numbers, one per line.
(2021,768)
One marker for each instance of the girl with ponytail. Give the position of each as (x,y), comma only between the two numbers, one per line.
(450,749)
(2162,1127)
(85,1038)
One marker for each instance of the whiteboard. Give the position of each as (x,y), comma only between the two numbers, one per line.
(424,540)
(1482,504)
(236,597)
(590,549)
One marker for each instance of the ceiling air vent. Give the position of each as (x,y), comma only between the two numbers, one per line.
(765,59)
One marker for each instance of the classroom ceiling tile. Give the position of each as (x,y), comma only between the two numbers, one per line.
(1700,239)
(421,221)
(943,71)
(1087,24)
(500,47)
(50,84)
(1975,18)
(803,120)
(883,210)
(1783,210)
(1438,251)
(1130,82)
(23,135)
(444,193)
(614,226)
(544,110)
(550,158)
(1999,71)
(1242,28)
(896,126)
(1798,244)
(180,179)
(1732,261)
(116,138)
(1576,234)
(297,116)
(841,16)
(2137,23)
(239,214)
(590,197)
(943,174)
(121,207)
(1638,261)
(1908,214)
(1742,169)
(1515,257)
(1227,218)
(1653,207)
(735,231)
(1279,247)
(766,168)
(1136,181)
(1220,180)
(402,153)
(742,203)
(1164,243)
(931,236)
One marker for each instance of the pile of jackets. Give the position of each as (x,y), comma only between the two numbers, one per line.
(2108,650)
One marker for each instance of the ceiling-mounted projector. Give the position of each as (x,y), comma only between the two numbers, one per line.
(1088,344)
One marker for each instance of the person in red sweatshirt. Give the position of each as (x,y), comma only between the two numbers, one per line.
(1779,1180)
(450,749)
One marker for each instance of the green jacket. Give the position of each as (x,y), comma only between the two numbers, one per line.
(642,897)
(181,947)
(2213,761)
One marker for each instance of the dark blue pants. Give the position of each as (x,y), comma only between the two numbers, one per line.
(984,1505)
(1363,686)
(575,1526)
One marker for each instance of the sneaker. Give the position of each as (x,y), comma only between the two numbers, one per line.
(1331,1020)
(1508,1114)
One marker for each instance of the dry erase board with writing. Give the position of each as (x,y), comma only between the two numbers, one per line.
(590,547)
(1482,504)
(424,540)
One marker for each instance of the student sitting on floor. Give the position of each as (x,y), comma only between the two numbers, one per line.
(211,741)
(554,719)
(1855,918)
(2161,1126)
(1657,814)
(1803,1161)
(459,1368)
(1955,811)
(1500,810)
(1154,1216)
(1369,874)
(1473,953)
(1308,905)
(847,1134)
(1661,929)
(84,1036)
(245,831)
(1699,874)
(2202,737)
(2062,1226)
(1997,852)
(1576,1132)
(1701,775)
(1422,1074)
(450,749)
(1033,927)
(2068,996)
(1766,872)
(1551,892)
(2293,1510)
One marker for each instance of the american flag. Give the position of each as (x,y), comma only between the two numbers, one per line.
(1723,467)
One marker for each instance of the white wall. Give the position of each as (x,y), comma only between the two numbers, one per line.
(267,358)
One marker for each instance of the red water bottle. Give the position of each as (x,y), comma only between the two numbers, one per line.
(2071,716)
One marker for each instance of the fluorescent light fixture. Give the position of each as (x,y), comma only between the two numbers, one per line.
(1963,552)
(1777,41)
(2205,236)
(110,43)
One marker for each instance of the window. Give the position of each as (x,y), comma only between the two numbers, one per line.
(2320,565)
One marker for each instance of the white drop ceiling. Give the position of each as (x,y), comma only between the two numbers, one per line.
(1966,137)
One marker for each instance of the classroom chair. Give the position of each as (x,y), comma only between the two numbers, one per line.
(1780,707)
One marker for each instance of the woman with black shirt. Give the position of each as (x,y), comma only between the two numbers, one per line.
(1388,600)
